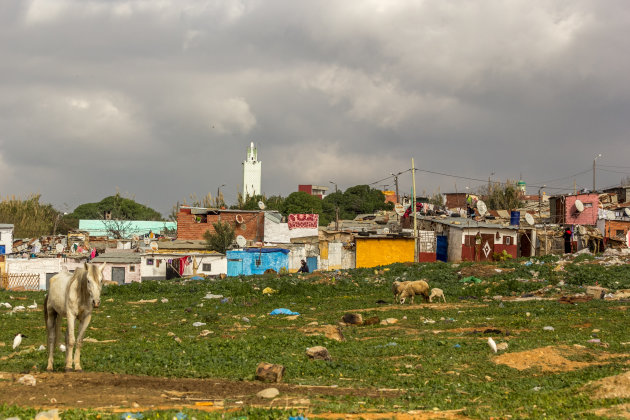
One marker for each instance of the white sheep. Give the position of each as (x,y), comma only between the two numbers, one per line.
(418,287)
(436,293)
(397,288)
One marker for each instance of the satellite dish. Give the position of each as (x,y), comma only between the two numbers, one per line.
(239,218)
(241,241)
(386,230)
(529,219)
(147,241)
(261,205)
(154,246)
(483,209)
(579,206)
(59,248)
(399,209)
(627,211)
(136,237)
(582,230)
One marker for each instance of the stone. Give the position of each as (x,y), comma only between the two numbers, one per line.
(596,291)
(353,319)
(268,393)
(502,346)
(389,321)
(268,372)
(318,353)
(371,320)
(28,380)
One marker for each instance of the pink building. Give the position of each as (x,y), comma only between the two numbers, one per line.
(578,209)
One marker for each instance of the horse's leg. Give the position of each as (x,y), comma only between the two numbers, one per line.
(69,340)
(85,321)
(51,329)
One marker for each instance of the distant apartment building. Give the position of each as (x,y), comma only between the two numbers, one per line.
(316,190)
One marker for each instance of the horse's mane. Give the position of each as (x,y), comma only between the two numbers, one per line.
(81,277)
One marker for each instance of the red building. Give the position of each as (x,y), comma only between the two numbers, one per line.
(578,209)
(193,222)
(316,190)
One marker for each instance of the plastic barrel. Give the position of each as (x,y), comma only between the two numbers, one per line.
(515,218)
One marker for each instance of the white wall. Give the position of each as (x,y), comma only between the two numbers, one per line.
(218,265)
(40,266)
(6,239)
(279,233)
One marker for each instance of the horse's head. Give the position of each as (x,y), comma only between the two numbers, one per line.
(95,282)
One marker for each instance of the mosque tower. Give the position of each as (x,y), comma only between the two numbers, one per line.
(252,173)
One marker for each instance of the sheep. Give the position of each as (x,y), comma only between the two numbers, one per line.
(397,288)
(418,287)
(436,293)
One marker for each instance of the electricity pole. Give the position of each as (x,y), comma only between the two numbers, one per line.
(413,208)
(599,155)
(336,207)
(396,182)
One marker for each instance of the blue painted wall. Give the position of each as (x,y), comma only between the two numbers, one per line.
(245,263)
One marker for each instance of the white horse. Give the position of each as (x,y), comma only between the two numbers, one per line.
(72,296)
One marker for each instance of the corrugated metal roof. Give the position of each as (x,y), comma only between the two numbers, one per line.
(461,222)
(6,226)
(118,258)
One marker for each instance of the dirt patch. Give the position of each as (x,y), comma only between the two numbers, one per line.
(611,387)
(410,415)
(442,306)
(553,358)
(329,331)
(621,411)
(113,392)
(482,271)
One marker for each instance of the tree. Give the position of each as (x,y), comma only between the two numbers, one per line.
(352,202)
(117,229)
(119,208)
(502,196)
(222,237)
(301,203)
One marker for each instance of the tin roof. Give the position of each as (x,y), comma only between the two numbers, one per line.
(118,258)
(461,222)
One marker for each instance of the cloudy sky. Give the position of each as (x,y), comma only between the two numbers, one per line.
(159,99)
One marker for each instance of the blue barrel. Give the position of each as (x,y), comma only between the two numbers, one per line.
(515,218)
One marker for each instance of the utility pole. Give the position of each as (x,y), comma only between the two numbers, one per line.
(413,208)
(219,194)
(540,201)
(396,182)
(599,155)
(336,207)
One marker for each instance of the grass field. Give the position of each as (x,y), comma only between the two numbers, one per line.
(435,356)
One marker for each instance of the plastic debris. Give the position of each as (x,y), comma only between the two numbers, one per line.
(198,324)
(129,416)
(283,311)
(470,279)
(548,328)
(594,341)
(211,296)
(269,291)
(457,346)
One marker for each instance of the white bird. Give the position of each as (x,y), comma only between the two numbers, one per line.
(33,306)
(492,344)
(6,305)
(17,340)
(18,309)
(62,347)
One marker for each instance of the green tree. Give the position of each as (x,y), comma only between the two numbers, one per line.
(120,208)
(355,200)
(502,196)
(301,203)
(222,237)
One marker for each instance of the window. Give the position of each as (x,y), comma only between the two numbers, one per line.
(149,261)
(206,267)
(132,268)
(619,232)
(508,240)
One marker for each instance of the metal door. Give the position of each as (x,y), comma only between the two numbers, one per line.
(118,275)
(312,264)
(487,247)
(441,248)
(2,249)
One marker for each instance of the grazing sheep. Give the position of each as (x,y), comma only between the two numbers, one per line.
(418,287)
(436,293)
(397,288)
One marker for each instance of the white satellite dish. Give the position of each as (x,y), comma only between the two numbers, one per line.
(579,206)
(239,218)
(481,206)
(241,241)
(581,230)
(147,241)
(154,246)
(399,209)
(627,211)
(386,231)
(136,237)
(59,247)
(529,219)
(261,205)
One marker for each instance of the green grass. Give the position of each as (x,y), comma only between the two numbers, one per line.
(450,372)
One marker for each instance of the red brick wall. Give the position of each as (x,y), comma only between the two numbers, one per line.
(189,228)
(588,216)
(612,226)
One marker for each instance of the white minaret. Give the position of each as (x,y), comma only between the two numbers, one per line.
(252,173)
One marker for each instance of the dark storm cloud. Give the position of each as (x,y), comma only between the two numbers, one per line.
(161,98)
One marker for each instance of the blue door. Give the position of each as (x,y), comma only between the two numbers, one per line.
(2,250)
(312,264)
(442,248)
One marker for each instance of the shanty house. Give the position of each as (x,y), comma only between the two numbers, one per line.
(375,250)
(248,261)
(578,209)
(120,266)
(6,238)
(336,250)
(465,239)
(299,234)
(172,259)
(193,222)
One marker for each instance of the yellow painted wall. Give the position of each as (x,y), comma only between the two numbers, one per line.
(373,252)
